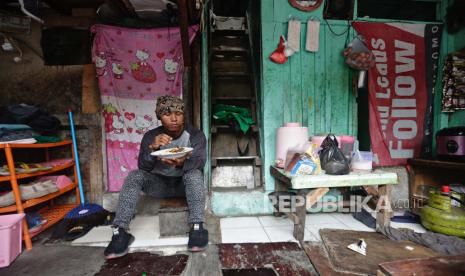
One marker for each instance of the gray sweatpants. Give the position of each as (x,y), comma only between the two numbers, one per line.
(189,185)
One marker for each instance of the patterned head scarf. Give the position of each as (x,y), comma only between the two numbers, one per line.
(168,104)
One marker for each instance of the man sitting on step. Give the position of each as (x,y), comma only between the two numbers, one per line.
(160,177)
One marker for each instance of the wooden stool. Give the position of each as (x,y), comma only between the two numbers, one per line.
(173,217)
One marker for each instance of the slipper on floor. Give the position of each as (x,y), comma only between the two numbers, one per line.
(77,231)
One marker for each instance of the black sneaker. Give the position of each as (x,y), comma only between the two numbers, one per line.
(119,245)
(198,238)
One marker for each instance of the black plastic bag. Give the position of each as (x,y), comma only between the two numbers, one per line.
(332,159)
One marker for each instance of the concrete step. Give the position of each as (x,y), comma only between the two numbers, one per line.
(173,215)
(147,205)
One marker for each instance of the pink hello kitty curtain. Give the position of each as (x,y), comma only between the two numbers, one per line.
(134,67)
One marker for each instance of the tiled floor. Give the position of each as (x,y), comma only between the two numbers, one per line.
(259,229)
(144,228)
(272,229)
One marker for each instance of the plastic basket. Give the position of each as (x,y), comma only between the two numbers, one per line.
(10,238)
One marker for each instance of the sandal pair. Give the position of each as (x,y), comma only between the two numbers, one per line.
(21,167)
(37,189)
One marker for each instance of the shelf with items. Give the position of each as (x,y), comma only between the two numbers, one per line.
(425,174)
(38,200)
(39,173)
(52,213)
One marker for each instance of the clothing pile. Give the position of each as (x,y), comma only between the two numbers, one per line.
(24,124)
(17,134)
(453,92)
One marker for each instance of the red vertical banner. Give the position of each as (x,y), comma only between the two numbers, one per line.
(400,88)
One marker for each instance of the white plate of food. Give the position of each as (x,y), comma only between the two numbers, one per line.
(172,153)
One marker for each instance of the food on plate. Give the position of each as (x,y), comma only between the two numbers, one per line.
(176,150)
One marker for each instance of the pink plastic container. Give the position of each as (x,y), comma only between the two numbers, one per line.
(318,139)
(288,136)
(10,238)
(346,144)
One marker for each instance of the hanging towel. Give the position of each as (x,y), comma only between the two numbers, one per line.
(293,35)
(313,34)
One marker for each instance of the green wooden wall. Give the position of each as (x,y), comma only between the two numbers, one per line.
(450,43)
(311,88)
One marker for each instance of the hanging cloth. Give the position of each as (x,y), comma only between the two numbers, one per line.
(313,36)
(293,35)
(226,113)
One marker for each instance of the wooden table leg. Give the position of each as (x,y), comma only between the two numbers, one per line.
(301,212)
(384,214)
(309,197)
(279,186)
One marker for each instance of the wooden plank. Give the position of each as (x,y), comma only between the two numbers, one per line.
(204,264)
(293,217)
(379,249)
(279,176)
(96,181)
(371,191)
(273,98)
(90,90)
(315,195)
(383,216)
(295,83)
(377,177)
(196,83)
(184,27)
(319,84)
(205,93)
(301,213)
(450,265)
(307,66)
(172,203)
(320,260)
(437,164)
(348,180)
(285,78)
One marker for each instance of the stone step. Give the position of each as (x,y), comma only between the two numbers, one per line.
(173,215)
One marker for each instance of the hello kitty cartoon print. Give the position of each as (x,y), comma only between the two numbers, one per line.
(141,70)
(143,123)
(101,64)
(118,124)
(171,68)
(133,73)
(117,70)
